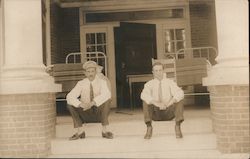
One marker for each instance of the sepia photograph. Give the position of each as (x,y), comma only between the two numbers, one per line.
(124,79)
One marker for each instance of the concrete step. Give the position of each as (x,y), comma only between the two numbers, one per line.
(137,127)
(134,144)
(168,154)
(131,123)
(128,127)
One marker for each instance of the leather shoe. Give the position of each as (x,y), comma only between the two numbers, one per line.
(108,135)
(82,135)
(148,134)
(178,133)
(77,136)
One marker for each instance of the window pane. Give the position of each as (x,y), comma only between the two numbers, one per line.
(169,47)
(180,45)
(101,48)
(180,34)
(91,48)
(101,38)
(90,38)
(169,34)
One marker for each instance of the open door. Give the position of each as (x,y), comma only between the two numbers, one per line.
(135,45)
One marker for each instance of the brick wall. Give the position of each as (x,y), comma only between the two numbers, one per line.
(65,32)
(70,32)
(27,124)
(55,14)
(230,115)
(203,24)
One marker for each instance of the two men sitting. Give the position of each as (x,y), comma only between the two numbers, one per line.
(89,101)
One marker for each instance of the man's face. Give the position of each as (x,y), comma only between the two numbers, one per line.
(91,73)
(158,72)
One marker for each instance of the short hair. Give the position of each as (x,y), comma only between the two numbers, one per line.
(157,63)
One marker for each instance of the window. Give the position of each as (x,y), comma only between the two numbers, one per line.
(96,42)
(175,40)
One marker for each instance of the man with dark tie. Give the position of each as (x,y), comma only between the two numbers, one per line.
(162,101)
(89,101)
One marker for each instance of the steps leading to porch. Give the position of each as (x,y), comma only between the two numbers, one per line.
(129,129)
(138,128)
(199,141)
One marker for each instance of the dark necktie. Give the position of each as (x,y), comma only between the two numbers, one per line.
(91,93)
(160,92)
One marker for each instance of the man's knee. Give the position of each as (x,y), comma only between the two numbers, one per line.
(145,105)
(179,104)
(106,104)
(70,107)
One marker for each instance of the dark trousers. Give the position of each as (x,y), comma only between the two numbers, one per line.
(151,112)
(92,115)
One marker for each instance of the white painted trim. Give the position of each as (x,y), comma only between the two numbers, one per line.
(1,34)
(23,86)
(48,34)
(123,5)
(111,64)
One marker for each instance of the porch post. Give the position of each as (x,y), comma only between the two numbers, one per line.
(27,92)
(228,81)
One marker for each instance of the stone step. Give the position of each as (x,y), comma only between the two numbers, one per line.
(173,154)
(128,127)
(137,127)
(159,143)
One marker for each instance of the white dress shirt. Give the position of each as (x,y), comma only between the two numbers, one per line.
(169,90)
(82,90)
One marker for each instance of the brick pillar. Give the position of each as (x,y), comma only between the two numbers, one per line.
(228,81)
(230,115)
(27,124)
(27,92)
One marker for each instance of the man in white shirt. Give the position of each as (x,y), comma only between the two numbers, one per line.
(89,101)
(162,101)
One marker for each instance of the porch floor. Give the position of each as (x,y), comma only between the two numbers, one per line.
(128,127)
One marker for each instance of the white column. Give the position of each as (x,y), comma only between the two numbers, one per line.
(233,48)
(22,68)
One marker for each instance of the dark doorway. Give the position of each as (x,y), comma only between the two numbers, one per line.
(135,45)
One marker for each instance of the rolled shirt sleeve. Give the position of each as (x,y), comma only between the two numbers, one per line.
(176,91)
(146,94)
(104,93)
(72,96)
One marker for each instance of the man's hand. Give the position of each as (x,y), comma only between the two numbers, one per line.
(161,106)
(86,106)
(171,102)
